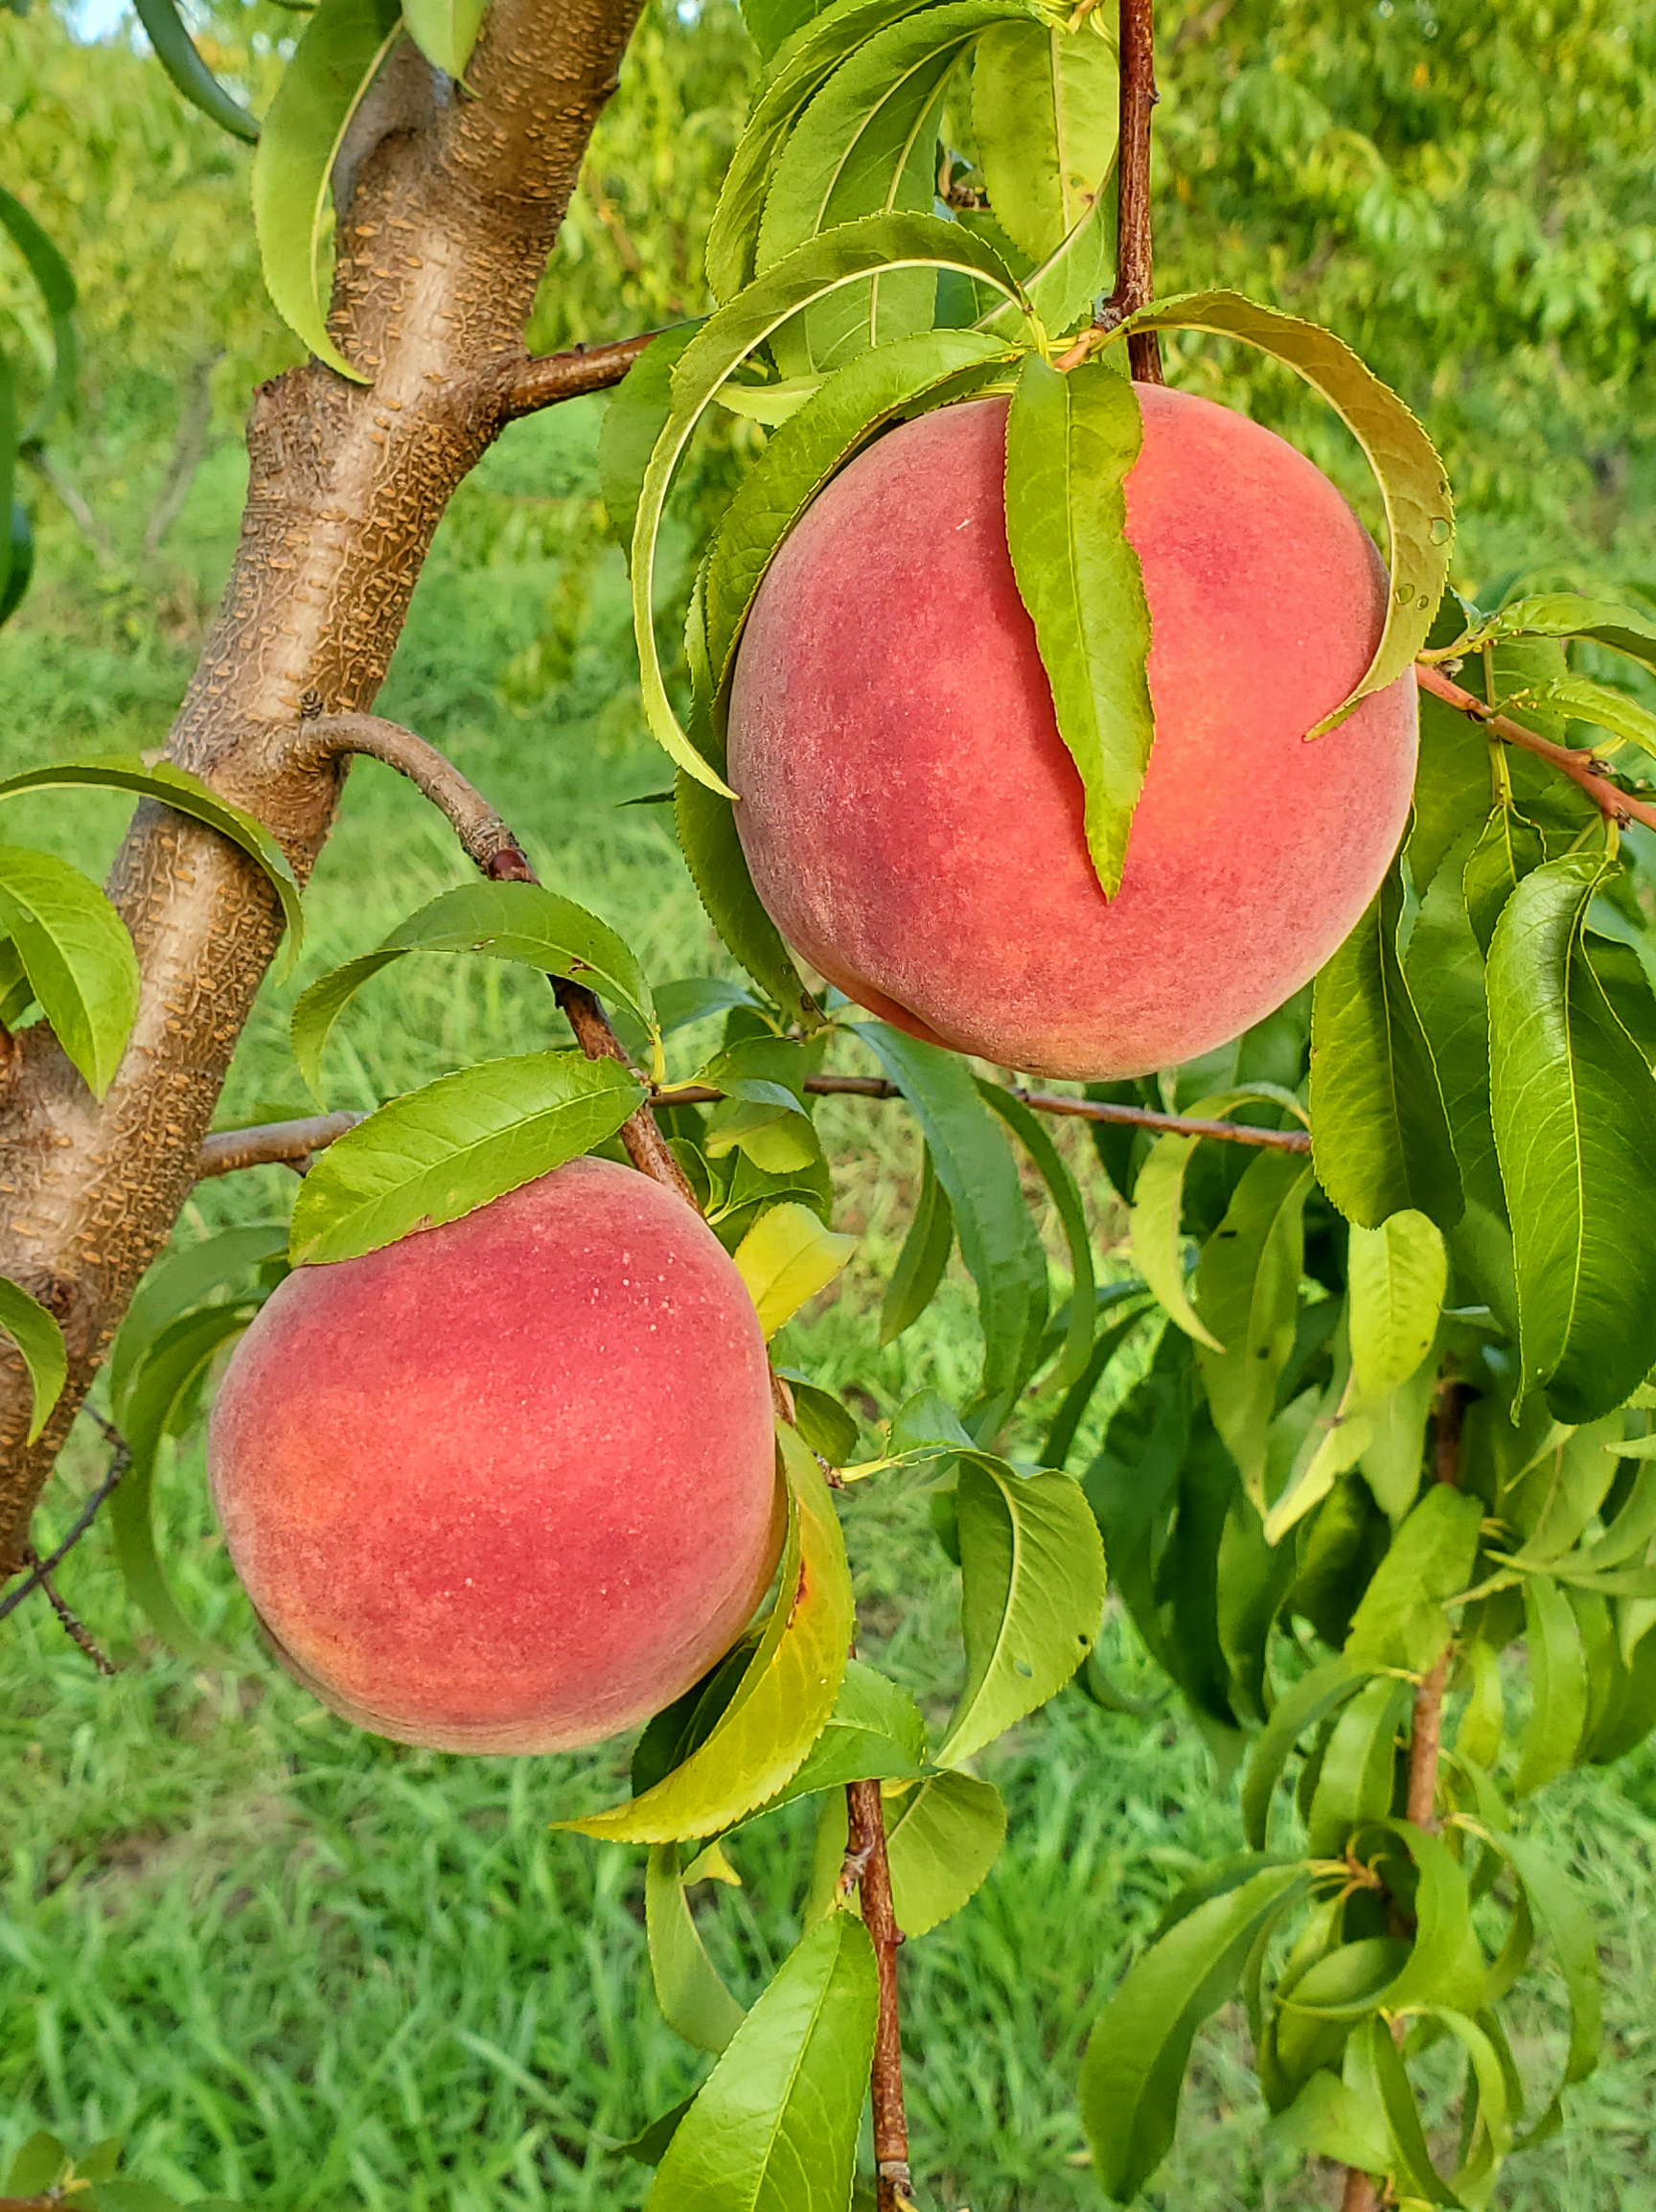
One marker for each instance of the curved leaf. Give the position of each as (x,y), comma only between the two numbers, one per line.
(1070,442)
(339,55)
(1563,614)
(175,51)
(1307,1705)
(706,827)
(77,956)
(1072,1218)
(1047,109)
(1574,1104)
(522,922)
(773,2128)
(444,31)
(439,1152)
(924,1255)
(634,419)
(782,1701)
(694,2001)
(1560,1678)
(185,794)
(181,1278)
(1419,513)
(1397,1275)
(39,1341)
(874,1733)
(16,544)
(786,1259)
(56,286)
(941,1840)
(1248,1296)
(814,272)
(1031,1600)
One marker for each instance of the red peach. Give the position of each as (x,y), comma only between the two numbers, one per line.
(508,1485)
(913,822)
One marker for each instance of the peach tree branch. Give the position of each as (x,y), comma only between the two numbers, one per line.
(1613,803)
(546,379)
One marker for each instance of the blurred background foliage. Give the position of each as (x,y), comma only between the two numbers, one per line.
(305,1968)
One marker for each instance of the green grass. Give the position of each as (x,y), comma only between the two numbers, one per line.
(305,1968)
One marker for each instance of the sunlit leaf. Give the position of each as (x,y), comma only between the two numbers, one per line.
(40,1340)
(76,955)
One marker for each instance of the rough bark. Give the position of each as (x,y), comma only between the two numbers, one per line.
(454,205)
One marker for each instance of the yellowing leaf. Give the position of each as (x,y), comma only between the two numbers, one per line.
(786,1258)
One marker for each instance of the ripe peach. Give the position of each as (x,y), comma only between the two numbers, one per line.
(509,1485)
(913,822)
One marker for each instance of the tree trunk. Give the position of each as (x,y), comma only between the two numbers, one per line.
(453,205)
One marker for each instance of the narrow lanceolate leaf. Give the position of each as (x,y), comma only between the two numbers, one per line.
(814,272)
(16,544)
(852,404)
(975,1167)
(1558,1675)
(694,2001)
(706,827)
(1379,1132)
(444,1150)
(175,51)
(867,145)
(1066,1197)
(1567,614)
(1070,441)
(77,956)
(773,2128)
(1396,1275)
(40,1340)
(1032,1596)
(786,1259)
(1157,1232)
(338,54)
(1505,850)
(521,922)
(185,794)
(784,1699)
(1045,107)
(183,1277)
(444,31)
(1248,1296)
(634,419)
(924,1257)
(1419,516)
(56,288)
(1574,1104)
(1134,2067)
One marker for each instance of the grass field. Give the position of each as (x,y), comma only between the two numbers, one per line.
(304,1968)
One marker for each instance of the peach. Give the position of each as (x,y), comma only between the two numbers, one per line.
(508,1485)
(913,822)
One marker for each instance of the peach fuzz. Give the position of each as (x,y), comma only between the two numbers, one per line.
(913,822)
(508,1485)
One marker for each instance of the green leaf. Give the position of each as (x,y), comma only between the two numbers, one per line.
(1136,2055)
(444,31)
(16,544)
(874,1733)
(814,272)
(1032,1596)
(1248,1296)
(773,2128)
(786,1259)
(1046,108)
(442,1151)
(785,1697)
(1397,1275)
(77,956)
(1552,1895)
(924,1255)
(1132,1308)
(162,1391)
(874,388)
(712,850)
(1508,849)
(1356,1773)
(634,419)
(998,1241)
(1070,441)
(175,51)
(941,1840)
(185,794)
(506,921)
(867,145)
(9,595)
(1401,1621)
(38,2166)
(649,2146)
(694,2001)
(1574,1104)
(182,1277)
(1379,1132)
(56,288)
(1558,1679)
(1411,2172)
(39,1341)
(1565,614)
(1419,515)
(827,1426)
(1155,1229)
(339,53)
(1031,1133)
(1306,1706)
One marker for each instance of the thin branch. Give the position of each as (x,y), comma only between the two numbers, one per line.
(74,1627)
(271,1144)
(546,379)
(1133,266)
(866,1851)
(39,1569)
(1614,804)
(484,838)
